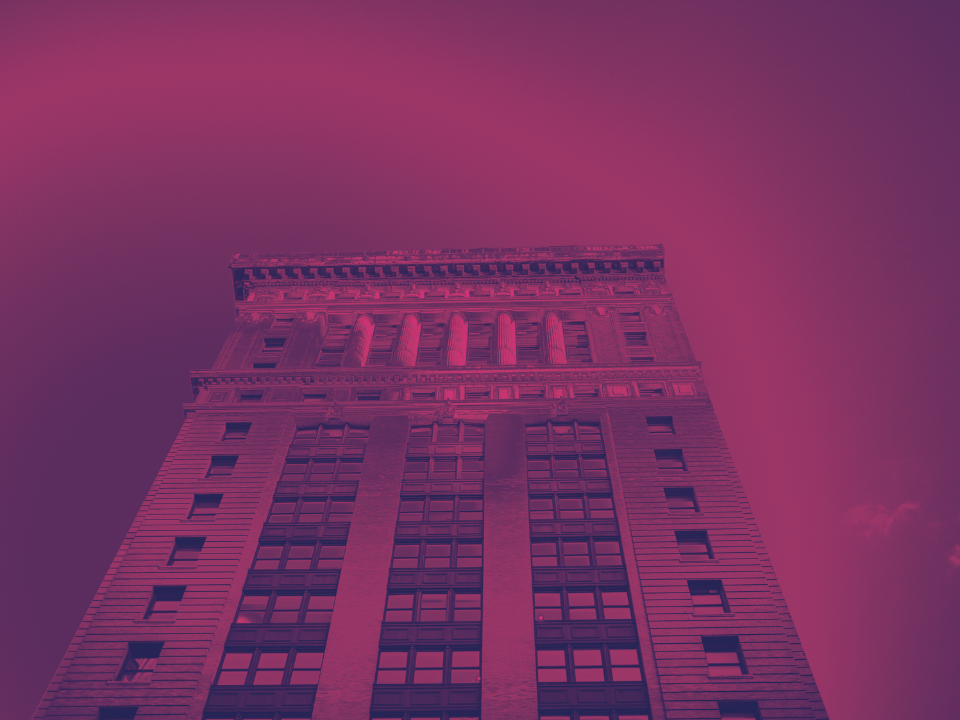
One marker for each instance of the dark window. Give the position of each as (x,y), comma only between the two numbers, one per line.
(426,395)
(205,506)
(437,555)
(649,390)
(577,342)
(661,424)
(576,553)
(251,397)
(165,602)
(479,349)
(140,661)
(581,604)
(565,450)
(441,606)
(314,396)
(264,365)
(428,666)
(694,545)
(369,394)
(724,656)
(681,500)
(325,470)
(477,394)
(334,345)
(739,711)
(381,344)
(431,343)
(270,667)
(528,343)
(274,344)
(579,664)
(311,510)
(570,507)
(286,608)
(586,391)
(708,597)
(222,465)
(186,551)
(531,393)
(289,556)
(236,430)
(117,712)
(441,509)
(669,459)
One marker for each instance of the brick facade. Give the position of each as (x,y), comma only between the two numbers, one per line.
(414,436)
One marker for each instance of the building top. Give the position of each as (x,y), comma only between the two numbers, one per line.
(553,253)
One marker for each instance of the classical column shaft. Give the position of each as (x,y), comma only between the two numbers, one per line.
(409,340)
(455,354)
(553,329)
(506,339)
(358,347)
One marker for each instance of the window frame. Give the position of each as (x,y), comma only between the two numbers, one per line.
(253,667)
(416,605)
(132,671)
(238,430)
(692,537)
(422,556)
(566,608)
(410,666)
(204,498)
(270,607)
(285,557)
(592,554)
(427,498)
(557,497)
(164,594)
(300,500)
(696,588)
(570,665)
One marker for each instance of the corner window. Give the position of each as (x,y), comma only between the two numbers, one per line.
(165,602)
(140,662)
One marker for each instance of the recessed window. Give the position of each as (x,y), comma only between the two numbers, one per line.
(681,500)
(581,604)
(424,606)
(428,667)
(437,555)
(204,506)
(311,510)
(264,365)
(660,424)
(314,396)
(251,397)
(299,556)
(531,392)
(165,602)
(274,344)
(724,656)
(694,545)
(570,507)
(739,711)
(586,391)
(424,395)
(271,667)
(670,459)
(140,662)
(369,394)
(222,465)
(117,713)
(576,553)
(590,665)
(708,597)
(236,430)
(186,551)
(650,390)
(285,608)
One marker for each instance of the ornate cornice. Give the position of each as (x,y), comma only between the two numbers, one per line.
(413,376)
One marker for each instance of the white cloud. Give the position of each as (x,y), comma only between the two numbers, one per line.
(877,519)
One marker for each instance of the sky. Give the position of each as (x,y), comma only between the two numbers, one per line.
(798,161)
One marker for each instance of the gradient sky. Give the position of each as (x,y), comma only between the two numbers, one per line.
(800,163)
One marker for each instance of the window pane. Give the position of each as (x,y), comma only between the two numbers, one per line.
(391,677)
(237,661)
(308,660)
(268,677)
(393,660)
(429,659)
(624,656)
(551,658)
(626,674)
(305,677)
(586,657)
(232,677)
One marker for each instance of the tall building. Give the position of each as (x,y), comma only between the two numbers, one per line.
(444,485)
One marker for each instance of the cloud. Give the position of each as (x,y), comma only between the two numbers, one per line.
(954,558)
(877,519)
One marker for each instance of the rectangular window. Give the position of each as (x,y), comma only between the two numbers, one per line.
(739,711)
(528,343)
(660,424)
(222,465)
(570,507)
(165,602)
(205,506)
(140,662)
(681,500)
(381,345)
(273,344)
(426,395)
(479,349)
(431,343)
(264,365)
(186,551)
(437,555)
(551,666)
(577,553)
(589,665)
(331,435)
(373,394)
(311,510)
(312,608)
(118,712)
(314,396)
(270,667)
(577,342)
(250,397)
(236,430)
(669,459)
(474,395)
(441,509)
(708,597)
(581,605)
(693,545)
(724,656)
(334,345)
(429,666)
(424,606)
(318,556)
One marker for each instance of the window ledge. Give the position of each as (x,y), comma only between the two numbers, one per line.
(146,621)
(705,560)
(728,678)
(701,616)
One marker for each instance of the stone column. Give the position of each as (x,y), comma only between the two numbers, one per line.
(553,329)
(506,339)
(358,347)
(455,353)
(350,663)
(508,655)
(409,340)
